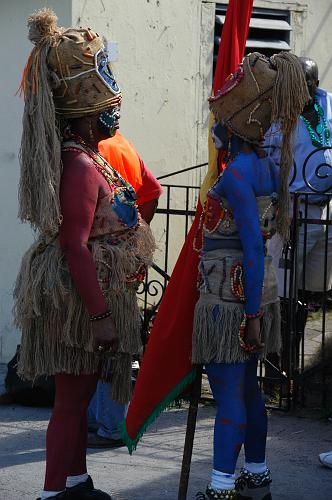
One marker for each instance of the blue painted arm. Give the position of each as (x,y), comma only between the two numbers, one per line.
(238,186)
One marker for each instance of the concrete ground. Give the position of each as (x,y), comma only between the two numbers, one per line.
(152,473)
(313,335)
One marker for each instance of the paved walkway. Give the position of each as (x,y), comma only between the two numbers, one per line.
(313,335)
(152,473)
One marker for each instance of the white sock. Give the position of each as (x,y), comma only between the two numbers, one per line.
(255,468)
(49,494)
(222,481)
(74,480)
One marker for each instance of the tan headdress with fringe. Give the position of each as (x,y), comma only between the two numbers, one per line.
(60,79)
(264,90)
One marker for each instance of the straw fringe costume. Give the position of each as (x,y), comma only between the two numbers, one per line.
(236,282)
(56,330)
(220,309)
(91,246)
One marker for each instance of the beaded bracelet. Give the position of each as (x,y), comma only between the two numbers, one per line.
(101,316)
(242,332)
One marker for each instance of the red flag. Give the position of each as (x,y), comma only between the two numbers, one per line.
(166,369)
(233,40)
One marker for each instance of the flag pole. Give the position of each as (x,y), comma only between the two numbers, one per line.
(190,434)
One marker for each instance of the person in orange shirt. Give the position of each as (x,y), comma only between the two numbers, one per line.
(122,155)
(104,413)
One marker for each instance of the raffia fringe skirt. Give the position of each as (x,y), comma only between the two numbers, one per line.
(218,313)
(56,331)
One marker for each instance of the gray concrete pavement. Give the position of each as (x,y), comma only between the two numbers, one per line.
(152,473)
(313,335)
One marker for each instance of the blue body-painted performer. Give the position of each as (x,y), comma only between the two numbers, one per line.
(237,316)
(240,237)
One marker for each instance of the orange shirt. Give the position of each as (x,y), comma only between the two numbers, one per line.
(124,158)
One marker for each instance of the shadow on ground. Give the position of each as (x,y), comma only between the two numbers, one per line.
(153,471)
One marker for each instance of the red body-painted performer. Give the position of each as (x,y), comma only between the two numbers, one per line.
(76,290)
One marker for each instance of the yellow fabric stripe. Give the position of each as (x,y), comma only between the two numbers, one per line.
(212,172)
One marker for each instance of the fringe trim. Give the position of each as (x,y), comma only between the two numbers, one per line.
(119,261)
(167,402)
(56,331)
(118,372)
(50,358)
(216,328)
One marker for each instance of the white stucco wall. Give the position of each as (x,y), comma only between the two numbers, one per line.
(15,237)
(159,72)
(312,36)
(318,38)
(165,72)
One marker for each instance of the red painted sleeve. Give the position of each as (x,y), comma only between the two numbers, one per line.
(81,184)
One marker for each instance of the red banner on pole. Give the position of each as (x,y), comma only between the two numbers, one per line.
(166,369)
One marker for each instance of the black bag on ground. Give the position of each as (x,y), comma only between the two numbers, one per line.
(39,393)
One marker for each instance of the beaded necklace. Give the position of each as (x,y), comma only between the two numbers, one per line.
(120,186)
(112,177)
(225,214)
(198,237)
(321,133)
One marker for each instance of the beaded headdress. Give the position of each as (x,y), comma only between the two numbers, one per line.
(67,75)
(261,91)
(79,72)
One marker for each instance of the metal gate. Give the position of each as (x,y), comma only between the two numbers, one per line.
(302,374)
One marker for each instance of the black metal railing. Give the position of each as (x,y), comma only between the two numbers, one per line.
(309,285)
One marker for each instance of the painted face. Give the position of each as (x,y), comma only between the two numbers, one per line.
(220,136)
(108,121)
(104,71)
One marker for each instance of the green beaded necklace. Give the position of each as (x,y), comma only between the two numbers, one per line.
(321,134)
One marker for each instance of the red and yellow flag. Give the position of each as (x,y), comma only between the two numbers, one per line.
(230,54)
(166,369)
